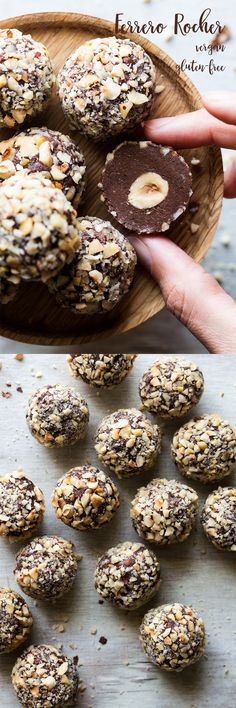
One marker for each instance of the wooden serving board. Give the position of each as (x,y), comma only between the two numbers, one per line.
(35,317)
(192,572)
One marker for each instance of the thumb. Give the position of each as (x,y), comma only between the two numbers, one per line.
(193,296)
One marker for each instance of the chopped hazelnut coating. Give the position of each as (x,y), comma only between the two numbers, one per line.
(38,232)
(46,568)
(101,370)
(127,442)
(57,415)
(173,636)
(8,291)
(219,518)
(15,620)
(107,86)
(49,152)
(205,448)
(21,506)
(85,498)
(170,387)
(26,77)
(101,271)
(164,511)
(43,677)
(127,575)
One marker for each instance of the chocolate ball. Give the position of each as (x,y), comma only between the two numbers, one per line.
(127,575)
(171,387)
(205,448)
(145,186)
(85,498)
(173,636)
(44,676)
(101,370)
(107,86)
(46,568)
(16,620)
(21,506)
(57,416)
(219,518)
(164,511)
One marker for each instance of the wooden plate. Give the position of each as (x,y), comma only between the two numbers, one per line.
(35,317)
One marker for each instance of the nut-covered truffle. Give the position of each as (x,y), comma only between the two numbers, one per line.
(107,86)
(101,370)
(205,448)
(21,506)
(8,291)
(38,231)
(219,518)
(127,442)
(152,194)
(43,677)
(164,511)
(173,636)
(16,620)
(127,575)
(101,271)
(49,152)
(57,415)
(46,567)
(170,387)
(26,77)
(85,498)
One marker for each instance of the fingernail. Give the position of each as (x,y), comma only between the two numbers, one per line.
(142,251)
(157,123)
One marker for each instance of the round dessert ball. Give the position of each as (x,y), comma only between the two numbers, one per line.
(49,152)
(107,87)
(170,387)
(57,415)
(164,511)
(127,575)
(85,498)
(205,448)
(173,636)
(127,442)
(153,194)
(101,370)
(219,518)
(21,506)
(8,291)
(101,271)
(16,620)
(44,676)
(46,567)
(26,77)
(38,231)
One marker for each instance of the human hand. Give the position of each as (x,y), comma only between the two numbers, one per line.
(190,293)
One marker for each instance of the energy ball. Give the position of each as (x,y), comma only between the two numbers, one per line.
(127,575)
(173,636)
(85,498)
(219,518)
(43,677)
(205,448)
(49,152)
(57,415)
(101,271)
(46,567)
(26,77)
(170,387)
(127,442)
(38,231)
(152,194)
(8,291)
(101,370)
(16,620)
(107,87)
(164,511)
(21,506)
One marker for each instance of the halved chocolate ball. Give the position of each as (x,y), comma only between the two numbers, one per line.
(146,186)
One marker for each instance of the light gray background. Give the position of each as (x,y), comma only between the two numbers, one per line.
(162,333)
(192,572)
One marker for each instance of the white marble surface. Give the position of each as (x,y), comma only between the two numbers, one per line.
(163,333)
(192,572)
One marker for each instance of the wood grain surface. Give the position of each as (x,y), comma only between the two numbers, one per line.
(194,571)
(35,317)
